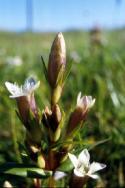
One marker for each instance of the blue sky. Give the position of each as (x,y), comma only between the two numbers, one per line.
(59,15)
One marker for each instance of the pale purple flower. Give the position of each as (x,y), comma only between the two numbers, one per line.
(59,175)
(85,102)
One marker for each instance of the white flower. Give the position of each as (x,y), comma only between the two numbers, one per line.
(59,175)
(17,61)
(29,86)
(85,102)
(7,184)
(75,56)
(82,165)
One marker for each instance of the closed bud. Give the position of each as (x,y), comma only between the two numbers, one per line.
(75,118)
(57,135)
(25,104)
(57,58)
(52,120)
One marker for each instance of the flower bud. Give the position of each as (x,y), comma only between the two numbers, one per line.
(56,115)
(76,117)
(83,105)
(25,104)
(57,58)
(57,135)
(52,119)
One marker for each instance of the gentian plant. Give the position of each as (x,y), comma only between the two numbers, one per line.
(50,134)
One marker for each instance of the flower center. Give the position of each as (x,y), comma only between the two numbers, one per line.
(82,168)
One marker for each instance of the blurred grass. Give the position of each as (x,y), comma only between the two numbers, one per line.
(100,74)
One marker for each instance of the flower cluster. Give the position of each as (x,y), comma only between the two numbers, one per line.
(48,130)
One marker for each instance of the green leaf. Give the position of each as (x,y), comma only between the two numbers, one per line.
(67,72)
(66,166)
(29,171)
(63,73)
(33,124)
(59,80)
(98,143)
(44,68)
(17,113)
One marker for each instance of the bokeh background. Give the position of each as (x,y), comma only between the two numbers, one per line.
(94,32)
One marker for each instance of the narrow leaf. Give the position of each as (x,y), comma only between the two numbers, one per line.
(22,170)
(67,72)
(99,142)
(59,80)
(44,68)
(65,166)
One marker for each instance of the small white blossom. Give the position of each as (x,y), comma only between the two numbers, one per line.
(75,56)
(83,167)
(59,175)
(29,86)
(7,184)
(17,61)
(85,102)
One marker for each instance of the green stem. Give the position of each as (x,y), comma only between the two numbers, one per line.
(51,182)
(37,183)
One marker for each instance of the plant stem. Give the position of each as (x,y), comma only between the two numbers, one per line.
(37,183)
(51,182)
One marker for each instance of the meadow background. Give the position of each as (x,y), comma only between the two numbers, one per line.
(97,70)
(100,74)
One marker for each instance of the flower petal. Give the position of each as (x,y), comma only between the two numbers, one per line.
(94,167)
(79,99)
(36,85)
(91,102)
(13,89)
(59,175)
(84,158)
(73,159)
(78,173)
(94,176)
(85,102)
(30,85)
